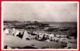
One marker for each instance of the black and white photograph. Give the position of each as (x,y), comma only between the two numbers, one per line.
(39,25)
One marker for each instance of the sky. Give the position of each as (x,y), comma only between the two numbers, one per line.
(42,11)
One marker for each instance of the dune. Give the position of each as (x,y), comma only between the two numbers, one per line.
(15,41)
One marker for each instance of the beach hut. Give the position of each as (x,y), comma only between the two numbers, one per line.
(55,39)
(63,36)
(58,36)
(64,40)
(51,36)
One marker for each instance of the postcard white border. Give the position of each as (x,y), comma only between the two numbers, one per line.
(41,2)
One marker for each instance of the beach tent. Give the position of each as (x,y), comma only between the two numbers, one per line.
(13,31)
(25,35)
(6,31)
(17,32)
